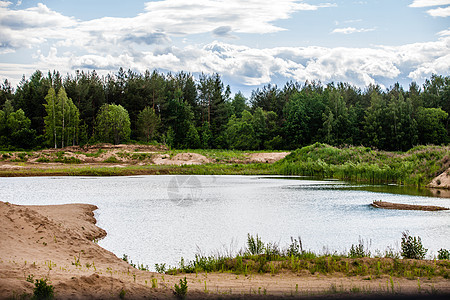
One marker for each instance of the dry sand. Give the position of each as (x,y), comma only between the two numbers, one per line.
(58,242)
(442,181)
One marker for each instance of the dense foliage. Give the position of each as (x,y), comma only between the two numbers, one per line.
(416,166)
(184,112)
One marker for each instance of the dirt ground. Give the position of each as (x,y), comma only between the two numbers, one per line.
(58,243)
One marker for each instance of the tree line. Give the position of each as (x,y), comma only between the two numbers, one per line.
(186,112)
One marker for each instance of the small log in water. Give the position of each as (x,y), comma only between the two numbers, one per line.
(390,205)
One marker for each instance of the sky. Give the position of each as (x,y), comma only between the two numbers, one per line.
(249,43)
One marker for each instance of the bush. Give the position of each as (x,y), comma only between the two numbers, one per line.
(181,290)
(412,247)
(255,245)
(295,248)
(42,290)
(443,254)
(357,251)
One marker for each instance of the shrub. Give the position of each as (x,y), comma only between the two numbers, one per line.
(255,245)
(181,290)
(42,290)
(412,247)
(160,268)
(111,159)
(43,160)
(122,294)
(443,254)
(357,251)
(295,248)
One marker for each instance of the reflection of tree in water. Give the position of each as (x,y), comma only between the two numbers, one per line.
(184,190)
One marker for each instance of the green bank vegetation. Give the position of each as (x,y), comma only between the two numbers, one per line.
(260,257)
(417,166)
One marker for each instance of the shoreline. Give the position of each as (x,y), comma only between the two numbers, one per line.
(58,242)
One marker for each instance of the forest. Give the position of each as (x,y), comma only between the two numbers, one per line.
(182,111)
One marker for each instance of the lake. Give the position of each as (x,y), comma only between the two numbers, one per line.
(159,219)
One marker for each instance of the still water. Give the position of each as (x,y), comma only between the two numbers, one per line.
(159,219)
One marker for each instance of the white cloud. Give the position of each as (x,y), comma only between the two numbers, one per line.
(428,3)
(160,21)
(250,66)
(5,3)
(144,42)
(440,12)
(28,27)
(444,32)
(350,30)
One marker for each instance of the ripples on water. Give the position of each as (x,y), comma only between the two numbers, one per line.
(155,219)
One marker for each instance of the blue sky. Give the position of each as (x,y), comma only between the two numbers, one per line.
(250,43)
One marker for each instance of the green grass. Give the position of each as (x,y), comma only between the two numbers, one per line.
(271,259)
(207,169)
(414,167)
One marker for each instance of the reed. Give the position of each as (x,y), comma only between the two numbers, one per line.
(414,167)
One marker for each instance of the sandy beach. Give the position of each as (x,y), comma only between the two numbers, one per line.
(58,242)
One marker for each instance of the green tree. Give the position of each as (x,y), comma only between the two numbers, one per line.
(239,104)
(240,133)
(192,138)
(113,124)
(431,126)
(206,136)
(62,120)
(375,122)
(21,136)
(30,97)
(15,128)
(296,124)
(50,119)
(148,123)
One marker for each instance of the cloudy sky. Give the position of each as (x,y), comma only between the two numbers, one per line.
(250,43)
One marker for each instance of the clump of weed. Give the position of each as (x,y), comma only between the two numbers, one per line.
(30,278)
(154,283)
(43,159)
(181,290)
(111,159)
(68,160)
(254,245)
(42,290)
(160,268)
(357,251)
(412,247)
(295,247)
(443,254)
(122,294)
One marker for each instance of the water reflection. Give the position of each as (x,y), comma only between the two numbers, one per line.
(376,188)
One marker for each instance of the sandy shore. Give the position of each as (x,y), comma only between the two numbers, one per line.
(58,242)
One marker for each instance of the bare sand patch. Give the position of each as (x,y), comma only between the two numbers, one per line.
(181,159)
(442,181)
(267,157)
